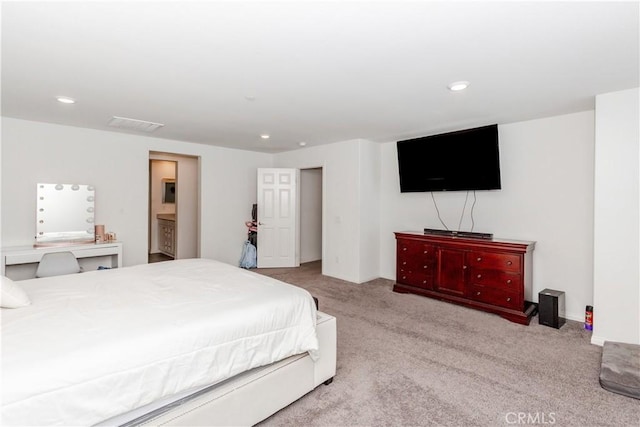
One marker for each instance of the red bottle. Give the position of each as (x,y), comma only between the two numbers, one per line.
(588,318)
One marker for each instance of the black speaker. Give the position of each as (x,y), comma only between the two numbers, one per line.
(551,308)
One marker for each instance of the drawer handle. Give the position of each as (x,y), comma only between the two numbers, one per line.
(478,293)
(425,266)
(404,277)
(424,281)
(404,249)
(508,299)
(426,252)
(509,282)
(479,276)
(509,262)
(404,263)
(479,259)
(464,267)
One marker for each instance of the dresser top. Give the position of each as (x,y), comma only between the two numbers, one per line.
(479,241)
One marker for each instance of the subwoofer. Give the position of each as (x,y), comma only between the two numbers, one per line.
(551,308)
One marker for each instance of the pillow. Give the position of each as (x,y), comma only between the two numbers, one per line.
(12,295)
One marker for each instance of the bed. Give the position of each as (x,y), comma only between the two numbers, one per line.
(187,342)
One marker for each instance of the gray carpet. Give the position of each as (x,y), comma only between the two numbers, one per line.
(405,360)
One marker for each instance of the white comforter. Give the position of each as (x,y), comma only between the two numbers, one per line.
(97,344)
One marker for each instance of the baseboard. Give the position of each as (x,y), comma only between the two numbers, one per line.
(576,317)
(597,340)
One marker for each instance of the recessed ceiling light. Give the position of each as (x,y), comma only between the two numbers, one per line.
(264,136)
(250,98)
(302,143)
(458,86)
(65,100)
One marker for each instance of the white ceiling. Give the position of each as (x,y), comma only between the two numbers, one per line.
(319,72)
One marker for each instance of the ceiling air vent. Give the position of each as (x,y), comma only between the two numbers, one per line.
(133,124)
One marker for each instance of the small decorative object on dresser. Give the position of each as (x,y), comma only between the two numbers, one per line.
(492,275)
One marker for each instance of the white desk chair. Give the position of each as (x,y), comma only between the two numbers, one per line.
(57,263)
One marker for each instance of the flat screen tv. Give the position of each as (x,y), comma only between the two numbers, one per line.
(455,161)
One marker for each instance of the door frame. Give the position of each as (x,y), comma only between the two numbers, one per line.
(175,157)
(323,207)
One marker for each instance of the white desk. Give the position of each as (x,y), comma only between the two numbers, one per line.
(21,262)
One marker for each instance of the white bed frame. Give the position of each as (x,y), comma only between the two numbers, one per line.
(249,398)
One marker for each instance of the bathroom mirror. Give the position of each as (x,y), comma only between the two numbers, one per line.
(64,214)
(168,190)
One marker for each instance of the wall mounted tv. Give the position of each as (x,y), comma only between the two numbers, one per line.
(455,161)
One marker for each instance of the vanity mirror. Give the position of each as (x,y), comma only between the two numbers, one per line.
(64,214)
(168,190)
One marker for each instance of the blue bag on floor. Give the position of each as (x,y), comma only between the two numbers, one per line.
(249,257)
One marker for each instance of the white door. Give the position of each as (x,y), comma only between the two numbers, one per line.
(278,218)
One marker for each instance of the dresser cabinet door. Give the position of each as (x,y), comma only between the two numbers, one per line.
(451,271)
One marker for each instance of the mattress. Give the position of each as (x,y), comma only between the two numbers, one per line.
(98,344)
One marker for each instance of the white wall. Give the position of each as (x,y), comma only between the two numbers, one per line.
(342,236)
(118,165)
(310,215)
(616,241)
(546,196)
(369,222)
(188,208)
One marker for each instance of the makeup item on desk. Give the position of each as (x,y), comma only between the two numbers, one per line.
(99,232)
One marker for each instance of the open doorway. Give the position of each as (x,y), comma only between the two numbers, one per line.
(174,207)
(162,210)
(311,215)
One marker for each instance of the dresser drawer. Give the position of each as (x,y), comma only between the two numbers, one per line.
(416,265)
(415,249)
(494,260)
(417,279)
(499,297)
(416,256)
(496,279)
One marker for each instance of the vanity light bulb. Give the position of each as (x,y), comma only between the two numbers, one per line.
(59,187)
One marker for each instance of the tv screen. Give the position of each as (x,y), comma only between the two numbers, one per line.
(463,160)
